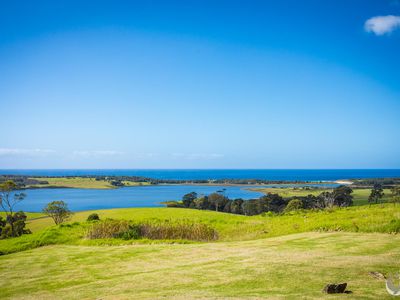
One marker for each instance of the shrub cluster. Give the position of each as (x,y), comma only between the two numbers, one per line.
(93,217)
(13,225)
(152,230)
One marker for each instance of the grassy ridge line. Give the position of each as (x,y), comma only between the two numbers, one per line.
(30,215)
(289,267)
(382,219)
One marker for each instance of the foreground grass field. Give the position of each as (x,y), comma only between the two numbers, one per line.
(289,256)
(80,183)
(287,267)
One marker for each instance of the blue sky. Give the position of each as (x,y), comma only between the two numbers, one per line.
(200,84)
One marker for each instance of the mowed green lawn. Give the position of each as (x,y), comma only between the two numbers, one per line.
(289,256)
(287,267)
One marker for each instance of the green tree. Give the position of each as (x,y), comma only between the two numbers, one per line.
(2,224)
(270,202)
(217,201)
(18,229)
(311,201)
(236,206)
(395,197)
(262,204)
(202,203)
(249,207)
(58,211)
(294,204)
(8,199)
(326,199)
(228,207)
(93,217)
(376,193)
(188,199)
(342,195)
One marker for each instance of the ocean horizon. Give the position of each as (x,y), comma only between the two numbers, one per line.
(211,174)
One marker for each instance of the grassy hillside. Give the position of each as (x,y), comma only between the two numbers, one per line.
(231,226)
(80,183)
(377,218)
(288,267)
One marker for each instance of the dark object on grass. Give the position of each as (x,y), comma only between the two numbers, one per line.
(93,217)
(333,288)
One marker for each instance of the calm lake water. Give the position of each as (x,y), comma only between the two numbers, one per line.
(150,196)
(187,174)
(140,196)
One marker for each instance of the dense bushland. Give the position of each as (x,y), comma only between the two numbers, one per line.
(340,197)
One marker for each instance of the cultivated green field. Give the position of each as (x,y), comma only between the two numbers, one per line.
(360,196)
(80,183)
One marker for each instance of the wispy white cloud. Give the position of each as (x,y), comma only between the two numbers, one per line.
(144,155)
(197,156)
(381,25)
(97,153)
(25,152)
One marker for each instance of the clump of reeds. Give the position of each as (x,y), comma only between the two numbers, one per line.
(178,231)
(160,230)
(107,229)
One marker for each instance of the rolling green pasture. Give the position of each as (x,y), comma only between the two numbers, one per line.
(238,227)
(377,218)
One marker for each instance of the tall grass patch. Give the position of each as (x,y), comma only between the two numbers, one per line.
(108,229)
(155,230)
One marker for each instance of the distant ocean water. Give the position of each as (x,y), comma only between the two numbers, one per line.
(202,174)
